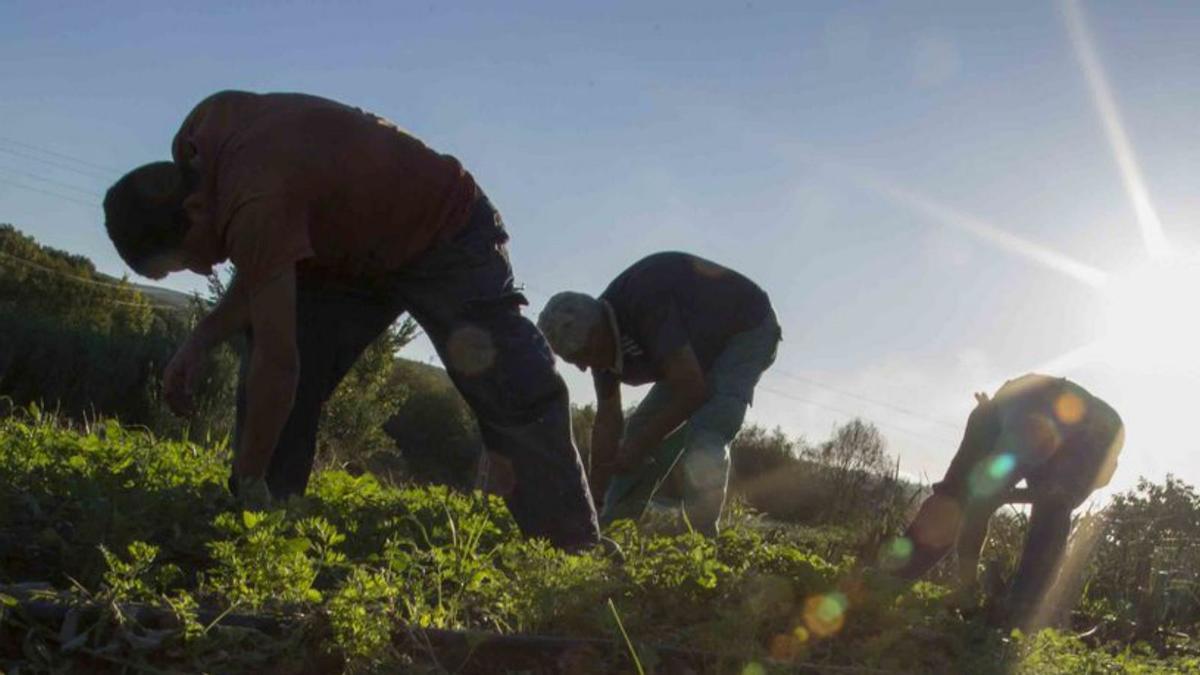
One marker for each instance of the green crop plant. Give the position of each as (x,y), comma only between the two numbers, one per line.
(143,563)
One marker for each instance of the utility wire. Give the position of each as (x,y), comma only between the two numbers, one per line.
(91,205)
(26,174)
(866,399)
(94,282)
(51,270)
(890,427)
(90,173)
(127,303)
(53,153)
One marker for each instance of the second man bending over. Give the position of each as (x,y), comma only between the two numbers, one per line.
(703,335)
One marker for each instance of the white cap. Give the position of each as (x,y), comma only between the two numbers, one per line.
(568,319)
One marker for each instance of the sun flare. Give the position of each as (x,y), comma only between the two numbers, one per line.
(1152,318)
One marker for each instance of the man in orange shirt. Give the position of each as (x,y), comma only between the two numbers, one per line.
(336,222)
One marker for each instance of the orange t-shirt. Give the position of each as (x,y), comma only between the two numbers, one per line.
(292,179)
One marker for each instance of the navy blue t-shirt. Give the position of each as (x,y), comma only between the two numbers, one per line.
(667,300)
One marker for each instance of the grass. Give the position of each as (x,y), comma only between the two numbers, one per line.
(163,575)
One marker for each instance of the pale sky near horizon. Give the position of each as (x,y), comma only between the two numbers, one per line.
(937,196)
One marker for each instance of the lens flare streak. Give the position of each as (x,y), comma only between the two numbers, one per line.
(1114,129)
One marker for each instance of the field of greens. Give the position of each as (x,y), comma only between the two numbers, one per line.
(121,552)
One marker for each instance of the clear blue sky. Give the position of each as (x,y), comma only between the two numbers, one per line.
(842,155)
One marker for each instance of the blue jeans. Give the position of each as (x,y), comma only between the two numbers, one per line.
(461,292)
(702,443)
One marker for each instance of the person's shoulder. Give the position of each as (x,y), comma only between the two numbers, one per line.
(247,105)
(215,104)
(661,263)
(1027,384)
(223,97)
(667,258)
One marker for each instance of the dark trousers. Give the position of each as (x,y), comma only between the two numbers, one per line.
(461,293)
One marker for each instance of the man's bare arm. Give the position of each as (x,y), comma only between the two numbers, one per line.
(606,436)
(273,375)
(608,425)
(688,390)
(228,317)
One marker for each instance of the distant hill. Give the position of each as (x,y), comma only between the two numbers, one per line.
(164,296)
(434,375)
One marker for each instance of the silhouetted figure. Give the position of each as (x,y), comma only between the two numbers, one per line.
(703,334)
(1051,433)
(337,222)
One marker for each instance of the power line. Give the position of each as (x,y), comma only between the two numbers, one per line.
(90,173)
(95,282)
(85,280)
(68,275)
(38,177)
(31,188)
(53,153)
(800,399)
(866,399)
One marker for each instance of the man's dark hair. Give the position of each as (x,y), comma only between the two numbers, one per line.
(143,213)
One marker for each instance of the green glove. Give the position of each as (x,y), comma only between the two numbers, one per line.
(253,494)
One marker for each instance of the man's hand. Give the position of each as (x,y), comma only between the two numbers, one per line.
(181,376)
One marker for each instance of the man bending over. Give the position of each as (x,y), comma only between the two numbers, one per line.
(703,334)
(1051,433)
(336,223)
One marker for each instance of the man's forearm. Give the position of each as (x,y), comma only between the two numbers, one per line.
(606,436)
(270,393)
(230,316)
(677,410)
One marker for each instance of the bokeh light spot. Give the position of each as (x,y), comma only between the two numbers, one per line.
(470,350)
(754,668)
(999,467)
(1034,436)
(801,634)
(825,614)
(991,474)
(936,525)
(1069,408)
(896,553)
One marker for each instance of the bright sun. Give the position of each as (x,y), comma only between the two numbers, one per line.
(1153,316)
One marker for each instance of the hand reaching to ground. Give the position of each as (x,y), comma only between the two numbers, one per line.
(180,378)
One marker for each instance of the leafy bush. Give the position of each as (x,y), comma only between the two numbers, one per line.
(351,433)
